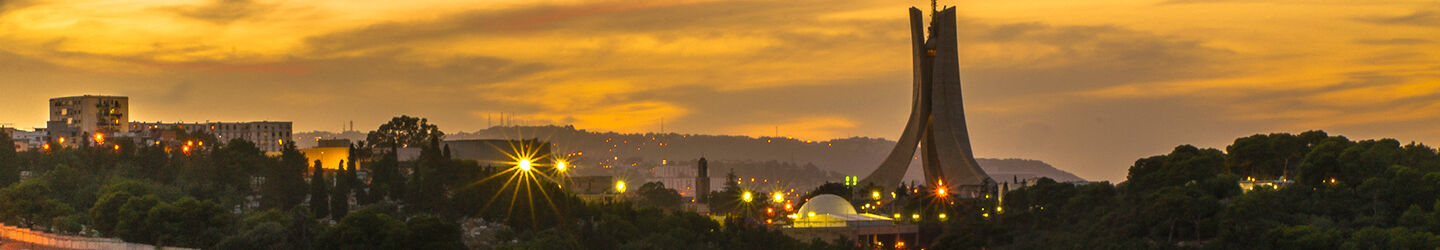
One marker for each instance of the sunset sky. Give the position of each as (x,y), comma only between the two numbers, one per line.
(1086,86)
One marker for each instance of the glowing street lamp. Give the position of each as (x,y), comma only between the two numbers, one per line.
(99,138)
(524,164)
(560,166)
(875,195)
(778,197)
(940,190)
(620,186)
(747,196)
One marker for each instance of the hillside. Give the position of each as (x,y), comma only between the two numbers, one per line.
(849,156)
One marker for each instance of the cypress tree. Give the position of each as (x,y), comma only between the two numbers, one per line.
(319,192)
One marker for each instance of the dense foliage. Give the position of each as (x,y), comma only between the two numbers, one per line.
(204,193)
(1371,194)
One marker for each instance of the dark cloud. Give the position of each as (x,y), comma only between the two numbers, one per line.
(7,6)
(1394,41)
(579,21)
(1424,18)
(223,11)
(15,63)
(1084,57)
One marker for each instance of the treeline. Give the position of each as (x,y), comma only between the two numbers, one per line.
(206,193)
(1335,193)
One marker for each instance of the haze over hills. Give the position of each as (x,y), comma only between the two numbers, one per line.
(848,156)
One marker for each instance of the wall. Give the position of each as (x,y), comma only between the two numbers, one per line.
(20,236)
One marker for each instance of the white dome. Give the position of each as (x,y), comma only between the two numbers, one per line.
(827,204)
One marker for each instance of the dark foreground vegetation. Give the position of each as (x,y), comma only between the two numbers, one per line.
(1370,194)
(206,193)
(1335,193)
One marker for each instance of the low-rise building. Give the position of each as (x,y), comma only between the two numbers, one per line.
(269,136)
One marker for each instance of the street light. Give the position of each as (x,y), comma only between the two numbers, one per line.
(560,166)
(778,197)
(747,196)
(620,186)
(524,164)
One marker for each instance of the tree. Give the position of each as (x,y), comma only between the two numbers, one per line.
(9,161)
(29,204)
(340,196)
(319,192)
(364,229)
(402,132)
(655,195)
(131,224)
(106,211)
(235,162)
(285,180)
(387,181)
(429,232)
(188,223)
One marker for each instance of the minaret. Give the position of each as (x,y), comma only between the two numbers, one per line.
(702,181)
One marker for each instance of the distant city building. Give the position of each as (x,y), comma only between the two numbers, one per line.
(593,185)
(1250,183)
(269,136)
(330,153)
(25,140)
(329,157)
(75,118)
(332,143)
(684,179)
(490,152)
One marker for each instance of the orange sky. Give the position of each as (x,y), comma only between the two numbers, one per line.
(1086,86)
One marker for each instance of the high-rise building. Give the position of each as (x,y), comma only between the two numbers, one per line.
(74,119)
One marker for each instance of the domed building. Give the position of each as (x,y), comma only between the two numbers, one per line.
(828,217)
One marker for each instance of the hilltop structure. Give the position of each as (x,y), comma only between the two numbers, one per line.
(937,116)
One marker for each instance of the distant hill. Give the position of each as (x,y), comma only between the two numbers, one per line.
(848,156)
(1003,170)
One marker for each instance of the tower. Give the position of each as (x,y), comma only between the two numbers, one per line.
(937,114)
(702,181)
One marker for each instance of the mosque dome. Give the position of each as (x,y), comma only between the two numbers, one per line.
(827,204)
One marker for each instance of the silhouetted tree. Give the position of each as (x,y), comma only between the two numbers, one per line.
(340,195)
(9,161)
(285,182)
(319,192)
(402,132)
